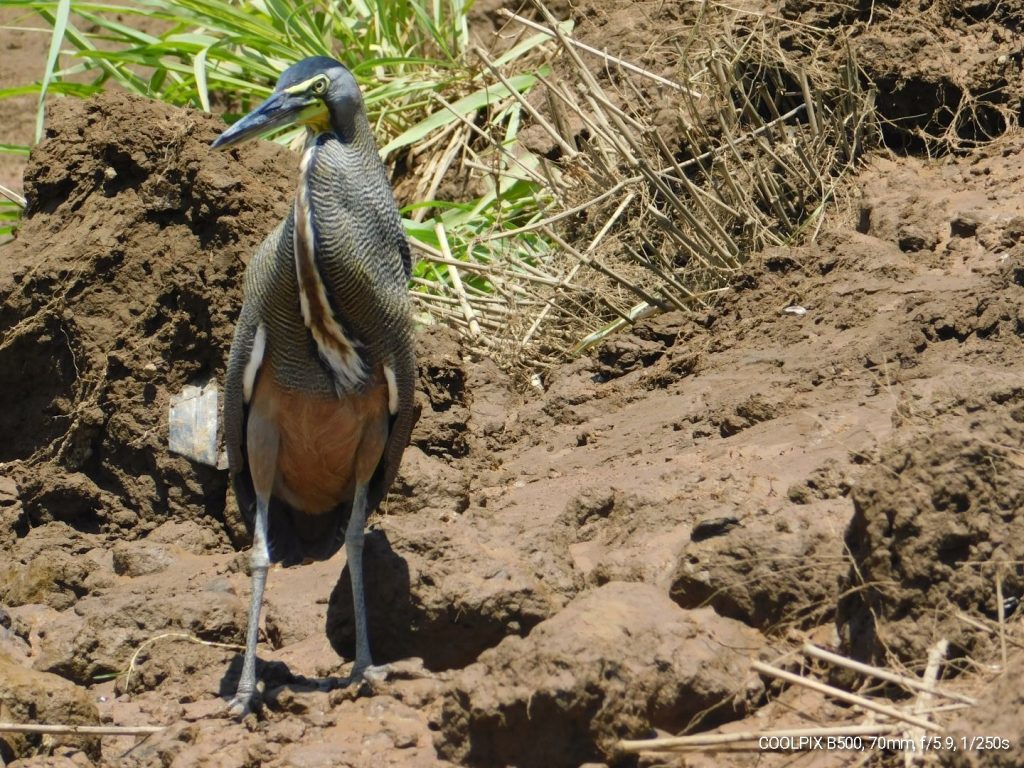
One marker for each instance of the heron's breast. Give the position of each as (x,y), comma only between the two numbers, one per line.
(327,444)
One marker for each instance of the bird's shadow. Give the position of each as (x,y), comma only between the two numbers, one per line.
(274,677)
(389,608)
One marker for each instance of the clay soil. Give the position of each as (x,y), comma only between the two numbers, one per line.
(833,454)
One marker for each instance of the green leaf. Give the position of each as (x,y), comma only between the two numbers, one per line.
(60,23)
(461,108)
(199,67)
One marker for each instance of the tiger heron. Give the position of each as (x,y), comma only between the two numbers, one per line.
(318,401)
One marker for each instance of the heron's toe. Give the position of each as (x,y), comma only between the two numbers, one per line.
(375,674)
(242,704)
(366,677)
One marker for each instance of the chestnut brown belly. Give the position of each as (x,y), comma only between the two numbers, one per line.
(326,444)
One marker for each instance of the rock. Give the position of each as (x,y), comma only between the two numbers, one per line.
(50,565)
(441,394)
(8,492)
(623,354)
(190,536)
(932,522)
(615,663)
(588,505)
(429,485)
(381,732)
(57,581)
(828,481)
(177,660)
(11,643)
(138,558)
(30,696)
(491,397)
(12,513)
(746,414)
(442,593)
(767,571)
(102,633)
(66,757)
(991,734)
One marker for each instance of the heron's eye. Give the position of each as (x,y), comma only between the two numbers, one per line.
(319,86)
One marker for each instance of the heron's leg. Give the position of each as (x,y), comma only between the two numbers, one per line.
(354,535)
(259,562)
(262,454)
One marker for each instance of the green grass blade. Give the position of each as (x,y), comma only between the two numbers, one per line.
(21,90)
(461,108)
(521,49)
(199,68)
(60,24)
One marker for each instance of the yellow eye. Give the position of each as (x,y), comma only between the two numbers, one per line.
(319,86)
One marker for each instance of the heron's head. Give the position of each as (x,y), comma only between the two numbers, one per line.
(317,92)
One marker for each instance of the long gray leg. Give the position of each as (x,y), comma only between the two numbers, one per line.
(262,454)
(354,535)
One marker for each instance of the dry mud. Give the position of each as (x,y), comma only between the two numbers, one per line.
(554,570)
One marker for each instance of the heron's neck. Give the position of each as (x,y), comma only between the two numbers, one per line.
(351,127)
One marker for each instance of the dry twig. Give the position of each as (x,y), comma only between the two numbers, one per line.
(82,730)
(849,698)
(884,674)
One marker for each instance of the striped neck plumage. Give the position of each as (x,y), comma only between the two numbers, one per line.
(339,352)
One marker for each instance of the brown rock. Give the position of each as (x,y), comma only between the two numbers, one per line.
(932,523)
(430,486)
(49,565)
(616,662)
(442,593)
(138,558)
(190,535)
(991,734)
(102,633)
(67,757)
(30,696)
(767,571)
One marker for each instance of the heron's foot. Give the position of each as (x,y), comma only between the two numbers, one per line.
(373,675)
(361,680)
(243,703)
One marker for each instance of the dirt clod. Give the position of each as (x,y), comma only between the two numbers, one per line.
(30,696)
(931,525)
(614,663)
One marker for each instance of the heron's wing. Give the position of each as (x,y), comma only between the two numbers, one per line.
(406,252)
(241,372)
(404,366)
(236,410)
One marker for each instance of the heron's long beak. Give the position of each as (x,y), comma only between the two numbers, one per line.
(280,110)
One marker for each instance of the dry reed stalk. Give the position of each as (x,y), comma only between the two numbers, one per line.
(985,628)
(82,730)
(759,147)
(453,272)
(883,674)
(590,49)
(1001,613)
(936,655)
(849,698)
